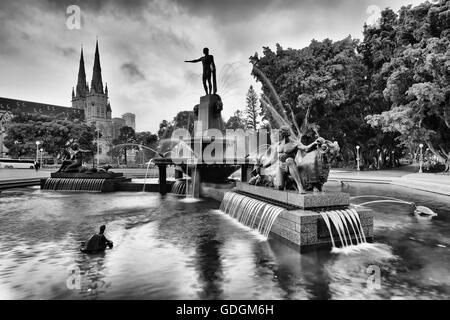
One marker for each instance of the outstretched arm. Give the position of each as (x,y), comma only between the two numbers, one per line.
(193,61)
(311,146)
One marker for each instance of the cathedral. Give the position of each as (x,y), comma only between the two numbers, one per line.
(94,101)
(90,103)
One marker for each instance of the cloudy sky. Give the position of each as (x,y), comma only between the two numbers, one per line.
(143,45)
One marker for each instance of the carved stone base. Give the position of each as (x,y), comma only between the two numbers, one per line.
(295,199)
(84,175)
(305,230)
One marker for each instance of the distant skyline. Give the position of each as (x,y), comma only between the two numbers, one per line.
(143,45)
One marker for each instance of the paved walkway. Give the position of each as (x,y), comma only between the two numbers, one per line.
(14,174)
(431,182)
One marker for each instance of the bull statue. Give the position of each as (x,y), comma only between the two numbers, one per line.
(314,166)
(290,165)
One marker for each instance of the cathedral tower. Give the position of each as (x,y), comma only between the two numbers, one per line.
(94,102)
(79,96)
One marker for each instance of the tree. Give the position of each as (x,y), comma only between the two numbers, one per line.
(149,140)
(182,120)
(185,120)
(126,138)
(53,134)
(321,87)
(165,129)
(252,109)
(417,79)
(236,121)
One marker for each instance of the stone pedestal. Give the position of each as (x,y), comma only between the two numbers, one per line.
(162,179)
(301,229)
(246,172)
(306,230)
(81,181)
(209,113)
(294,199)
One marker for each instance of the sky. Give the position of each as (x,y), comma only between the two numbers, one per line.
(143,45)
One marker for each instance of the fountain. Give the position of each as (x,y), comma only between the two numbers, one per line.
(195,164)
(283,200)
(84,181)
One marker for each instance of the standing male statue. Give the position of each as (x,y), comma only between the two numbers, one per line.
(209,69)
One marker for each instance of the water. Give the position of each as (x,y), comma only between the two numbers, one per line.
(341,220)
(251,212)
(68,184)
(179,187)
(168,249)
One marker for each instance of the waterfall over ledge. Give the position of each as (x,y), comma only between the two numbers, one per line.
(310,221)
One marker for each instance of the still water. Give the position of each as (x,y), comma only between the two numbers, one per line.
(165,248)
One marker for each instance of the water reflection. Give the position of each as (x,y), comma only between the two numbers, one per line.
(90,271)
(209,266)
(167,249)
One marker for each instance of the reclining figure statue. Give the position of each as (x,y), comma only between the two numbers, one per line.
(294,165)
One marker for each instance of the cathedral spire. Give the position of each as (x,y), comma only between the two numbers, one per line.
(81,83)
(97,82)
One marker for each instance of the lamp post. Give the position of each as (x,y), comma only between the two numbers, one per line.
(42,151)
(357,158)
(393,158)
(378,159)
(37,150)
(98,148)
(421,158)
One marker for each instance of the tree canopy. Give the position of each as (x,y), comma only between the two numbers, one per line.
(126,141)
(53,135)
(322,87)
(414,79)
(236,121)
(389,91)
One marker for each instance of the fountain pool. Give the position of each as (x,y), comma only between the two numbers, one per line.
(165,248)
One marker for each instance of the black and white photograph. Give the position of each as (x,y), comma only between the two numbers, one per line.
(230,152)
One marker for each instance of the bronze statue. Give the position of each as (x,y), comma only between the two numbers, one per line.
(285,152)
(314,166)
(259,178)
(74,161)
(300,167)
(209,69)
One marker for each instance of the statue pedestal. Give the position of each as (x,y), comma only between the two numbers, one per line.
(294,199)
(300,223)
(209,113)
(81,181)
